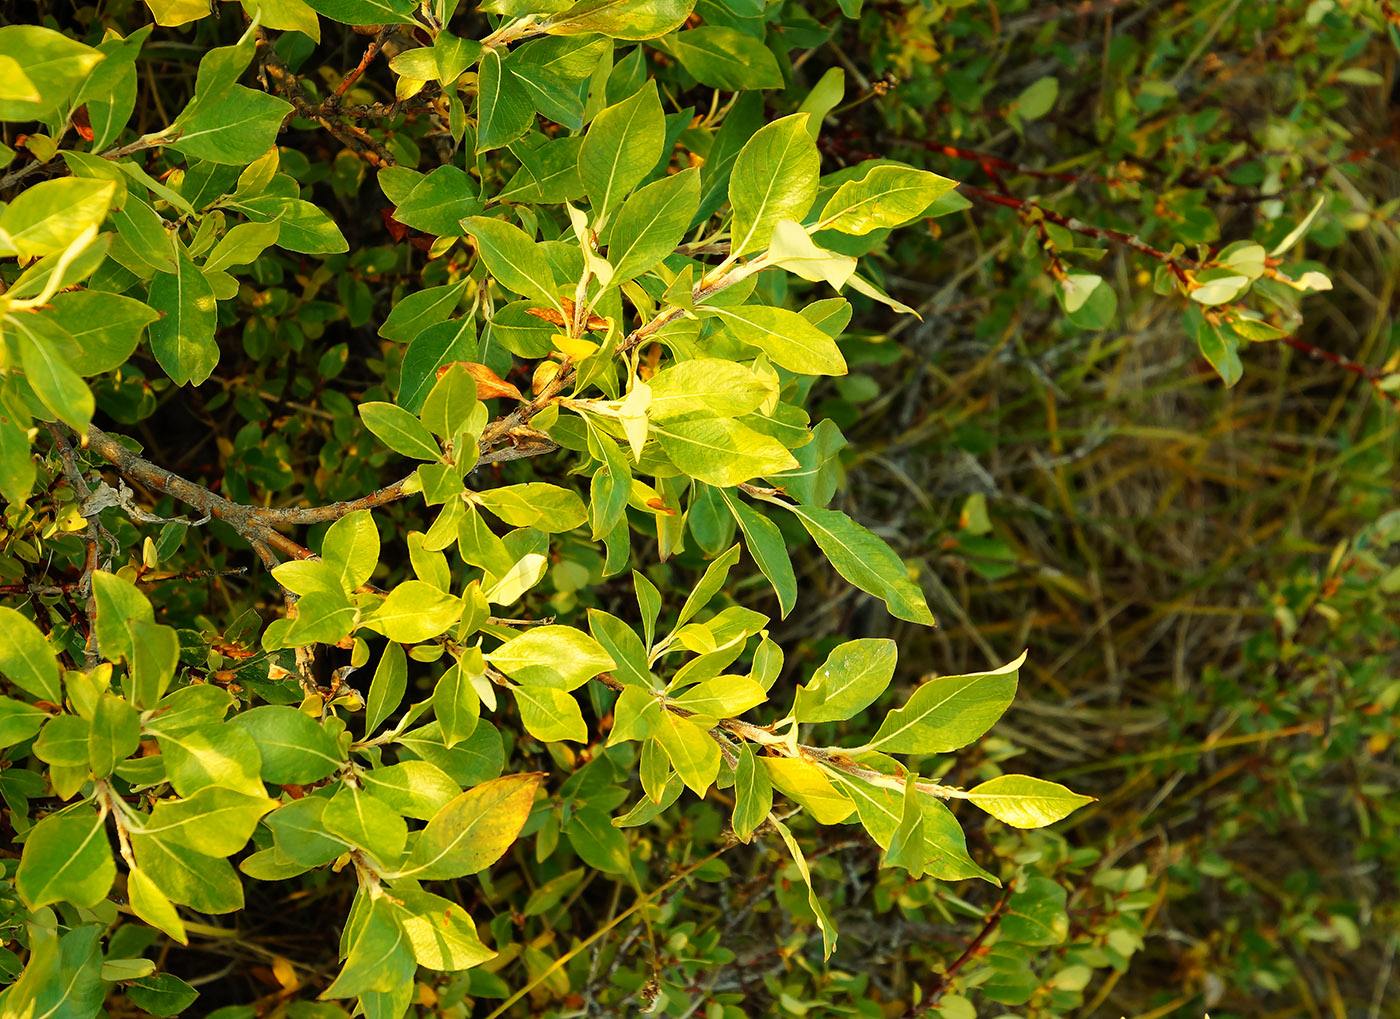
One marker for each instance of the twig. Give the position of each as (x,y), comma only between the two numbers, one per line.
(371,51)
(934,993)
(240,518)
(92,539)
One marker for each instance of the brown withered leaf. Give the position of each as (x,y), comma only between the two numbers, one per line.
(489,385)
(550,315)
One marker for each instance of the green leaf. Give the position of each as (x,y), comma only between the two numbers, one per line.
(151,904)
(723,697)
(726,58)
(294,748)
(63,976)
(206,884)
(400,431)
(848,682)
(19,721)
(17,471)
(907,847)
(116,733)
(49,216)
(623,20)
(823,98)
(440,201)
(161,994)
(212,755)
(235,129)
(441,932)
(513,259)
(299,833)
(367,822)
(551,656)
(768,548)
(242,245)
(814,480)
(807,784)
(598,842)
(365,12)
(652,223)
(865,561)
(948,713)
(753,794)
(823,921)
(621,643)
(504,108)
(456,705)
(692,751)
(774,177)
(1037,99)
(415,611)
(887,196)
(450,403)
(720,451)
(214,821)
(351,547)
(413,788)
(183,338)
(53,65)
(387,688)
(118,601)
(64,741)
(622,146)
(1025,802)
(473,830)
(708,386)
(550,714)
(545,507)
(66,857)
(26,659)
(58,386)
(785,336)
(554,98)
(1035,914)
(380,956)
(105,328)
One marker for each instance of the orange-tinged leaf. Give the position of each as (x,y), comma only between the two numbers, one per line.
(489,385)
(473,830)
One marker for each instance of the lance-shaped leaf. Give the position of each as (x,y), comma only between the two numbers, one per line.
(652,223)
(721,451)
(183,338)
(768,548)
(864,560)
(948,713)
(623,20)
(554,656)
(828,929)
(550,714)
(887,196)
(513,259)
(785,336)
(26,659)
(774,177)
(621,147)
(848,682)
(693,752)
(474,830)
(1025,802)
(66,857)
(400,430)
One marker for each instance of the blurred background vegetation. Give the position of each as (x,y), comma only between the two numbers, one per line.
(1205,575)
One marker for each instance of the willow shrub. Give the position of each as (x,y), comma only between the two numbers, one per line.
(599,281)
